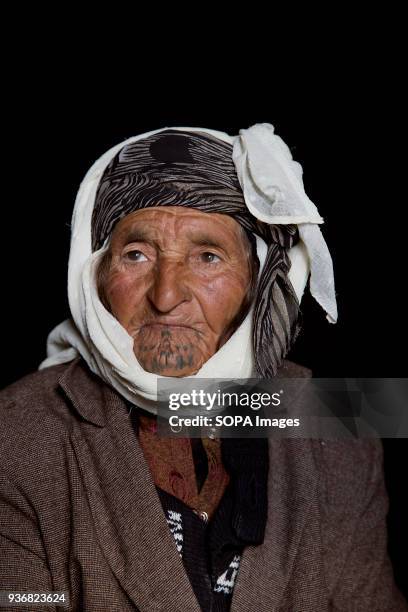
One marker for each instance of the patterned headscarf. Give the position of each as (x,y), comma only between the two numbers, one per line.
(196,170)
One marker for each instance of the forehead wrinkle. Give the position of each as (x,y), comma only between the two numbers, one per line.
(213,231)
(142,229)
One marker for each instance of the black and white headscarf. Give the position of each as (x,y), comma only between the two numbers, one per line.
(212,172)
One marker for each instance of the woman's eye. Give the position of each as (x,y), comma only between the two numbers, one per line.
(135,256)
(208,257)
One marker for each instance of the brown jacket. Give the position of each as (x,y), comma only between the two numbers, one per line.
(79,512)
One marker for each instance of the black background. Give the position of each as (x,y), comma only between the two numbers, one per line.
(338,124)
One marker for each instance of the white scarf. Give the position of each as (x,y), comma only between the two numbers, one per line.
(273,191)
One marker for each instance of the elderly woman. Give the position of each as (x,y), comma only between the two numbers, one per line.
(190,253)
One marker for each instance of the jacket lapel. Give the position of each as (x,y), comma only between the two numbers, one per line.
(265,570)
(130,524)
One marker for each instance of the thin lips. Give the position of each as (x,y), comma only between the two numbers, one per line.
(167,324)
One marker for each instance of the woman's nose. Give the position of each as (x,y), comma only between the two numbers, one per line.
(168,288)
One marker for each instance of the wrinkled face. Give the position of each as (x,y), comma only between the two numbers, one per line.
(177,280)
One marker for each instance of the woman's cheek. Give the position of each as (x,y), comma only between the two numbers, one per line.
(123,291)
(221,300)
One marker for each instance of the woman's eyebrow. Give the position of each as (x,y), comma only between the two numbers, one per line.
(137,235)
(206,240)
